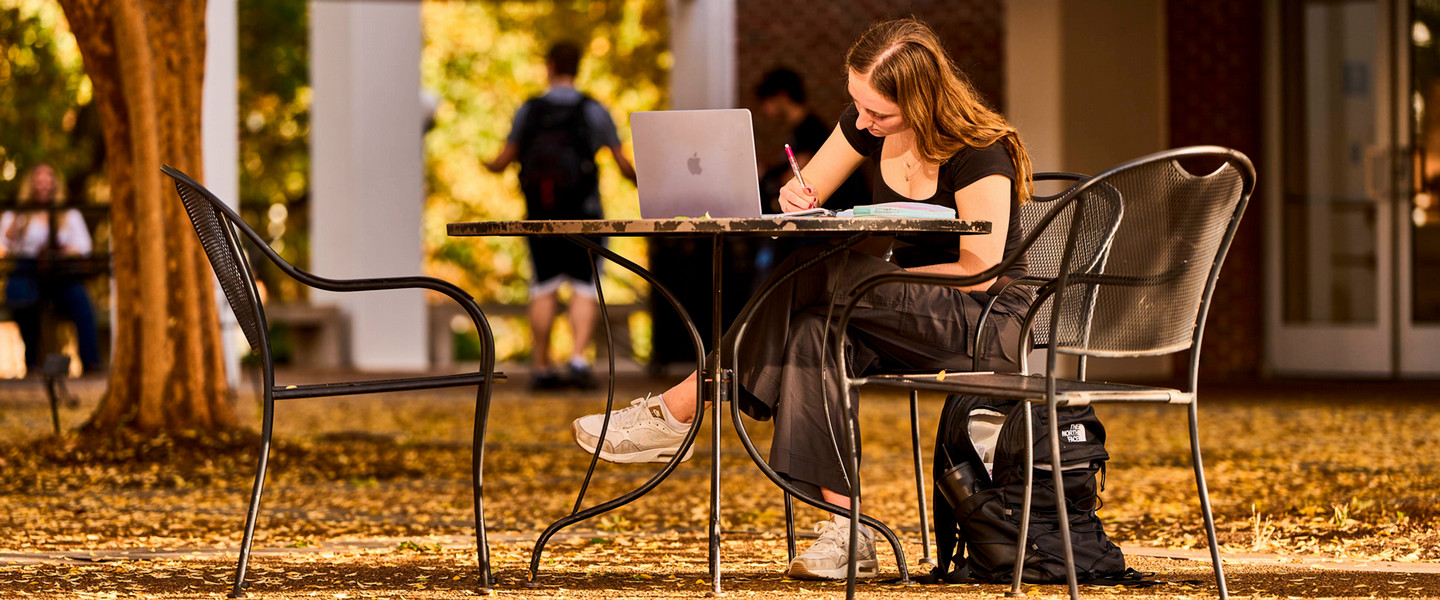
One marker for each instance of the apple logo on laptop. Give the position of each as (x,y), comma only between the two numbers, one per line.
(693,163)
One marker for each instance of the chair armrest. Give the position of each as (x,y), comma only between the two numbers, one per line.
(1057,176)
(347,388)
(459,296)
(1061,201)
(989,307)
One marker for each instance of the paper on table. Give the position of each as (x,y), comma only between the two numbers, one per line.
(809,212)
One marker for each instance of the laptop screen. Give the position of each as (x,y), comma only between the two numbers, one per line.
(690,163)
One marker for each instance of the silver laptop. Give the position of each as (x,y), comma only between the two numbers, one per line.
(692,162)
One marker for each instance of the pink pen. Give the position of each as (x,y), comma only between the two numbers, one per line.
(796,167)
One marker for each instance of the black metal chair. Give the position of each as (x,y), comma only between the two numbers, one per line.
(1096,226)
(1150,298)
(1099,209)
(220,229)
(1043,256)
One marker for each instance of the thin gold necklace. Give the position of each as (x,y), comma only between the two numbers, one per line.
(907,173)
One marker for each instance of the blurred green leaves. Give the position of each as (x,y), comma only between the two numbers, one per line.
(274,104)
(45,113)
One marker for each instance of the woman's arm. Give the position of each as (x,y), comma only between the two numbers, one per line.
(985,200)
(507,155)
(832,164)
(626,167)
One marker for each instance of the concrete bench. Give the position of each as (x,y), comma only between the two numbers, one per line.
(319,334)
(442,343)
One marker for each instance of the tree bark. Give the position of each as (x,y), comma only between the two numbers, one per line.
(145,59)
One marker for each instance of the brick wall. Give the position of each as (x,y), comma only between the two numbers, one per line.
(811,38)
(1215,62)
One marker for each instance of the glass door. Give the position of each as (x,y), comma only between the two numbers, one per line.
(1330,198)
(1418,221)
(1353,214)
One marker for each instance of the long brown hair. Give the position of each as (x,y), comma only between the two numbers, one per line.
(26,193)
(26,197)
(908,66)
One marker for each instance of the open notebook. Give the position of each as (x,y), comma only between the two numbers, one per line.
(894,210)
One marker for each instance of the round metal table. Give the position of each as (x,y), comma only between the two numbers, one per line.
(716,383)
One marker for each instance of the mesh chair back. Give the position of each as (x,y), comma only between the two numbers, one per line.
(1164,258)
(215,229)
(1100,209)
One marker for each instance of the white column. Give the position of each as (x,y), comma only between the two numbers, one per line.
(702,41)
(1034,96)
(1114,114)
(220,146)
(1077,112)
(367,185)
(1033,80)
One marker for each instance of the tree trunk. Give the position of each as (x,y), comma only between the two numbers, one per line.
(146,62)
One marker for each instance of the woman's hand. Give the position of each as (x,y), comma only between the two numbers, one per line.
(835,160)
(795,197)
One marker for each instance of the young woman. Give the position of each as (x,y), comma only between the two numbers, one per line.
(934,141)
(25,235)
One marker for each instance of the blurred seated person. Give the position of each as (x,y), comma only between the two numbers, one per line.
(782,98)
(26,237)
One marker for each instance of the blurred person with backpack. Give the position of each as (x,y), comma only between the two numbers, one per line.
(555,137)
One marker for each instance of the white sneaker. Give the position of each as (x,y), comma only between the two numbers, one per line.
(829,556)
(637,434)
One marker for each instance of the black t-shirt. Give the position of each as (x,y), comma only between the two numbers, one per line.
(966,167)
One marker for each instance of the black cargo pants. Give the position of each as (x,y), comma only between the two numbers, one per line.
(894,327)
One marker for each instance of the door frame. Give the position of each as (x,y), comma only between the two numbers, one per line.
(1416,347)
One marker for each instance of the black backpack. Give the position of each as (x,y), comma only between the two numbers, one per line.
(978,513)
(557,162)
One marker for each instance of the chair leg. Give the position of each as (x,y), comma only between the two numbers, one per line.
(477,466)
(925,558)
(789,527)
(1058,477)
(1205,500)
(1021,541)
(266,427)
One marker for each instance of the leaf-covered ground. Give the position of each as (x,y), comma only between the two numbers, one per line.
(370,497)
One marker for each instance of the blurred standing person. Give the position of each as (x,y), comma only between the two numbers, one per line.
(783,99)
(26,236)
(555,137)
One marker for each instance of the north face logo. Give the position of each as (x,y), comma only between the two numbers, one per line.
(1074,434)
